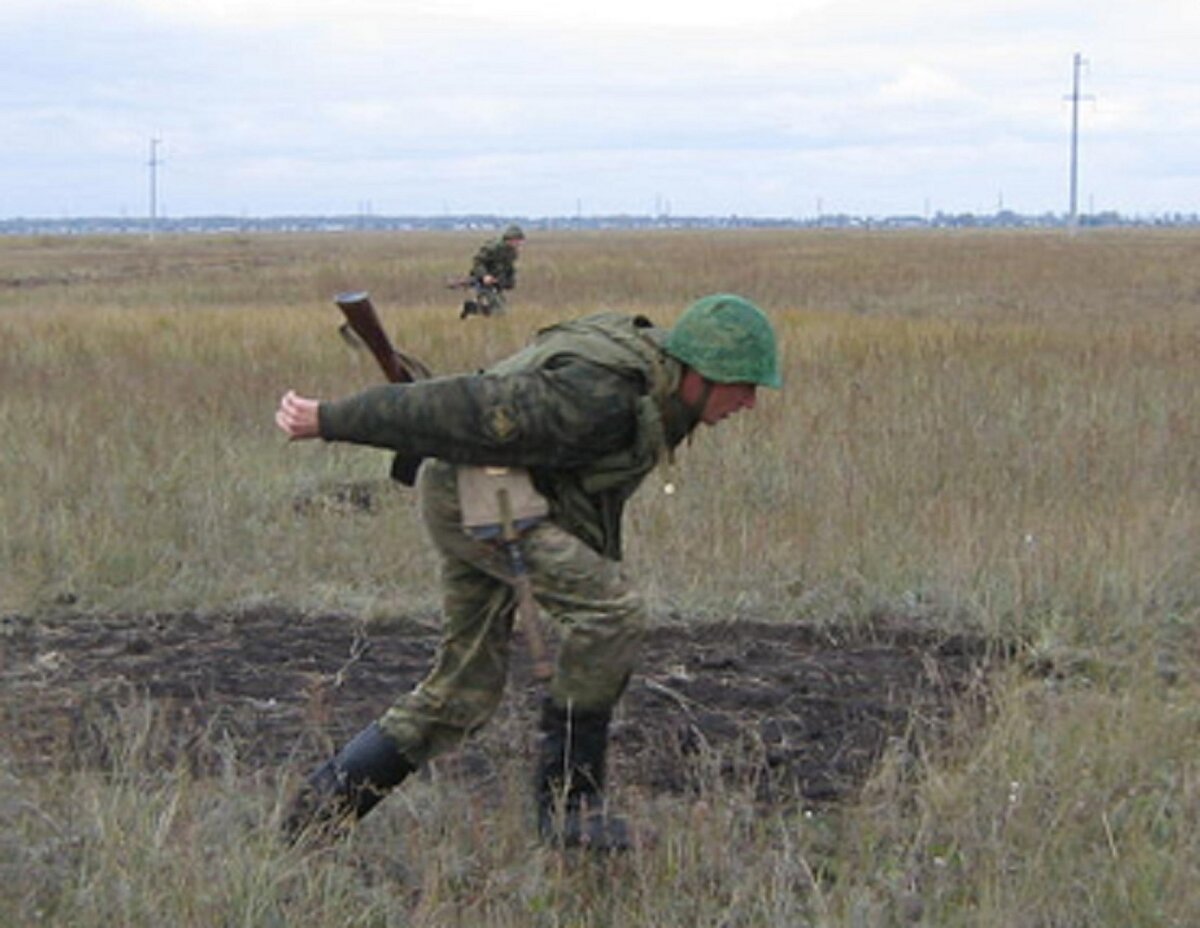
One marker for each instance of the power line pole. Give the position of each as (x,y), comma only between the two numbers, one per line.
(1073,215)
(153,164)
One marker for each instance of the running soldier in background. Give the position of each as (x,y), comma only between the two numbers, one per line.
(588,409)
(492,272)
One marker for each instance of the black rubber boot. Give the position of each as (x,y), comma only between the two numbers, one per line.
(569,786)
(470,308)
(346,787)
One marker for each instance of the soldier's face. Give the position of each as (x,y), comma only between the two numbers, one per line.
(724,399)
(727,398)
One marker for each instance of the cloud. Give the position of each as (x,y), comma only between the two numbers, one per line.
(918,84)
(394,13)
(527,104)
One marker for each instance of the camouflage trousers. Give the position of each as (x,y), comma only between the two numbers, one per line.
(599,619)
(485,301)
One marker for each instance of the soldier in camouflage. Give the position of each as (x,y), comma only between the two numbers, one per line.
(589,408)
(493,271)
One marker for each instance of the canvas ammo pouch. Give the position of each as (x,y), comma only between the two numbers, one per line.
(492,497)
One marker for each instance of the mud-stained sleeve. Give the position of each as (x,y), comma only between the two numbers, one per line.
(561,416)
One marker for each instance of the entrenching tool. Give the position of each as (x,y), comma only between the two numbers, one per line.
(498,504)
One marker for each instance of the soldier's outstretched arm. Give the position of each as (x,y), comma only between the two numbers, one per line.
(562,417)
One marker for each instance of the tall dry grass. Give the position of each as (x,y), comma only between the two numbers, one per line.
(1000,424)
(994,431)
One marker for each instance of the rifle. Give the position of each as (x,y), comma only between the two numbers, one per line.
(363,328)
(484,299)
(363,322)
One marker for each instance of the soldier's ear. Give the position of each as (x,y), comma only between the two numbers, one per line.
(691,385)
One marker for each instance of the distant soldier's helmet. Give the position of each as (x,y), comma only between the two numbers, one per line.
(726,339)
(513,232)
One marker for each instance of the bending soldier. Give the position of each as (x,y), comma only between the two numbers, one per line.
(588,409)
(493,271)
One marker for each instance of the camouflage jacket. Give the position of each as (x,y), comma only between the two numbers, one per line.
(589,407)
(497,258)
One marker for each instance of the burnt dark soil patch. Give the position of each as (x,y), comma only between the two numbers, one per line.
(784,710)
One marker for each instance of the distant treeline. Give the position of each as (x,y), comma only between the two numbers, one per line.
(107,225)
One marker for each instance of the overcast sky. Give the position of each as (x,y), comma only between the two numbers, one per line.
(553,107)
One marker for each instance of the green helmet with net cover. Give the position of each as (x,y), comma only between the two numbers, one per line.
(513,232)
(726,339)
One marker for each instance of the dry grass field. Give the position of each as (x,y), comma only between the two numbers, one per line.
(925,651)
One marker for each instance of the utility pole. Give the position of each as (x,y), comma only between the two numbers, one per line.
(153,164)
(1073,215)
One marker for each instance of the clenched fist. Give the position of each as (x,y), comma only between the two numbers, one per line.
(297,416)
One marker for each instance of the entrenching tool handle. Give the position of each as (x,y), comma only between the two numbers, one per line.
(527,615)
(543,669)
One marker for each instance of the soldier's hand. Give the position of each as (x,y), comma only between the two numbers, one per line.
(297,416)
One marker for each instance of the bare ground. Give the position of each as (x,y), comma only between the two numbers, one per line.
(784,710)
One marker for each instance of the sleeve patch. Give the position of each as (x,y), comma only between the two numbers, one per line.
(500,424)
